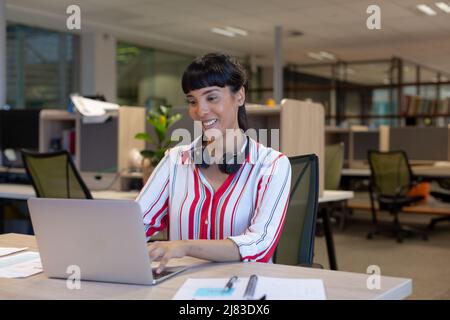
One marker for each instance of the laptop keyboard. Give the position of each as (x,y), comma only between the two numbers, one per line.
(164,273)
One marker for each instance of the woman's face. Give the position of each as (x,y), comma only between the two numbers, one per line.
(215,107)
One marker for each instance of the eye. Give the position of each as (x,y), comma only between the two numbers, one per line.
(212,98)
(191,103)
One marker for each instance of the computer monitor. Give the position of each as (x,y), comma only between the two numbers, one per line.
(18,129)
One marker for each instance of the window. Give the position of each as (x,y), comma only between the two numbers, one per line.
(149,77)
(42,69)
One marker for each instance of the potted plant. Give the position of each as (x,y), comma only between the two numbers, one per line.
(160,119)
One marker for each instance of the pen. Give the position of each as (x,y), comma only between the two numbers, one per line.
(230,283)
(251,286)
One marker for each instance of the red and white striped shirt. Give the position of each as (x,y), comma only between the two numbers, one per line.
(249,208)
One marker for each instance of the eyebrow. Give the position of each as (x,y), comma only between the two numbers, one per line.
(204,93)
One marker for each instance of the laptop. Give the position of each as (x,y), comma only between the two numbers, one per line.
(104,238)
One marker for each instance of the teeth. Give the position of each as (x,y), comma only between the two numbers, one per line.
(208,123)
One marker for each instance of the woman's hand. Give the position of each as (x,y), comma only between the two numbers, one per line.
(163,251)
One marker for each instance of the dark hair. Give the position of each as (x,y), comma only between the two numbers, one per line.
(216,69)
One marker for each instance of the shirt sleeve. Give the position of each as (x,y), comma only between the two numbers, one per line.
(260,239)
(154,199)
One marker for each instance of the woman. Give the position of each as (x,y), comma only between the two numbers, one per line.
(214,211)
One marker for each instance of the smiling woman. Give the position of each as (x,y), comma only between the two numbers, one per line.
(228,204)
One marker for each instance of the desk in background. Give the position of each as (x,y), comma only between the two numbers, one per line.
(424,171)
(338,284)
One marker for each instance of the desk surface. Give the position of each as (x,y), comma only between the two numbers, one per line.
(338,284)
(421,171)
(23,192)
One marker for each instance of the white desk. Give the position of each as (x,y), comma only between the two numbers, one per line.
(338,284)
(429,172)
(336,195)
(23,192)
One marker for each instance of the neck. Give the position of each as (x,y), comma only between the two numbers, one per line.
(231,143)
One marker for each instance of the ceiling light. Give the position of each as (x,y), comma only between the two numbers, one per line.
(426,9)
(237,31)
(443,6)
(327,55)
(314,55)
(321,55)
(223,32)
(350,71)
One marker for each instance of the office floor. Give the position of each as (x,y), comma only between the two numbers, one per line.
(426,262)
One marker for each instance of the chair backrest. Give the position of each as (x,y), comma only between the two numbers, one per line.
(334,161)
(444,183)
(54,175)
(391,172)
(296,243)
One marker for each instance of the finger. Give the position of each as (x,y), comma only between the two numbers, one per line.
(162,265)
(157,253)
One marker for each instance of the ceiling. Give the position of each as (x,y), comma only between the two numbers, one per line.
(335,26)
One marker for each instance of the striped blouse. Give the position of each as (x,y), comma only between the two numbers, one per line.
(249,207)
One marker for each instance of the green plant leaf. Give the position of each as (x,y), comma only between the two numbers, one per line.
(164,110)
(160,129)
(143,136)
(173,119)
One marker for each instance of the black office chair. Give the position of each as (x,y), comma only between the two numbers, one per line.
(296,243)
(391,180)
(54,175)
(444,197)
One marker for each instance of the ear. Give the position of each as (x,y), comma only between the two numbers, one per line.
(240,96)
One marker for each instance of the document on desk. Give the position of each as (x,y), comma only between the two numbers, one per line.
(4,251)
(20,265)
(272,288)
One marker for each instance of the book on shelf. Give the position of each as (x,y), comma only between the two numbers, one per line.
(68,140)
(418,106)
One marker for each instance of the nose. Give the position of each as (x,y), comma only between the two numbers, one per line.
(202,109)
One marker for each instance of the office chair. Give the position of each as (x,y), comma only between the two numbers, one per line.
(296,243)
(444,197)
(391,180)
(54,175)
(334,162)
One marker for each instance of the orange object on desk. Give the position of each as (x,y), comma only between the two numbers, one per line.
(421,189)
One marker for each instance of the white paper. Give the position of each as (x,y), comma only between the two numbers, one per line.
(93,111)
(272,288)
(20,265)
(4,251)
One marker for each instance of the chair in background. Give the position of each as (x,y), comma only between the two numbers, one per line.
(391,180)
(334,162)
(296,243)
(54,175)
(444,197)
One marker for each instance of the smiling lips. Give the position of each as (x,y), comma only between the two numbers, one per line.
(209,123)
